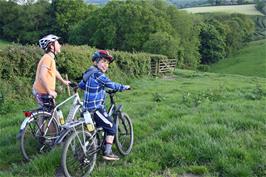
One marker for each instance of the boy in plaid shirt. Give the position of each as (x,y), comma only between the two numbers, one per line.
(94,82)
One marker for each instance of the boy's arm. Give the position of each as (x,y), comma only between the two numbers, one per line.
(59,77)
(82,85)
(104,80)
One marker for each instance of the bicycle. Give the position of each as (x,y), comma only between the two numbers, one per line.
(41,129)
(81,146)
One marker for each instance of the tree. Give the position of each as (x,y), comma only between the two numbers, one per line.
(212,47)
(162,43)
(124,25)
(187,27)
(68,13)
(9,12)
(24,23)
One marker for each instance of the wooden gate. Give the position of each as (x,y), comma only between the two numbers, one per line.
(161,66)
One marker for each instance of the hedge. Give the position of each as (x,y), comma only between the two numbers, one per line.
(18,66)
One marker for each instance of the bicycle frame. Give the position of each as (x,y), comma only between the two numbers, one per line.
(30,115)
(76,101)
(112,111)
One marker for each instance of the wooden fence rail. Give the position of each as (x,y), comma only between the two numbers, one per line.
(163,66)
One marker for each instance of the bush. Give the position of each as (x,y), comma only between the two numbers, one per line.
(18,60)
(74,60)
(18,66)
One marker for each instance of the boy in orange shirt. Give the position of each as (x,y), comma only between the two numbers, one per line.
(47,73)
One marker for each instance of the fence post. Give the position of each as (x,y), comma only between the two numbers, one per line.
(157,67)
(68,89)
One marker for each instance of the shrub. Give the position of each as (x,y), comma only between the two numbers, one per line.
(18,66)
(18,60)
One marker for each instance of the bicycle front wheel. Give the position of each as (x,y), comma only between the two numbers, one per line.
(124,137)
(33,140)
(79,154)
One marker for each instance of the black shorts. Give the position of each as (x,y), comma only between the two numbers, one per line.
(103,120)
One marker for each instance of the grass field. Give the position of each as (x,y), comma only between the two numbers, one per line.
(245,62)
(204,124)
(3,43)
(242,9)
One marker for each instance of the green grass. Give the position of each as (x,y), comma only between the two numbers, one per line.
(241,9)
(3,44)
(197,123)
(249,61)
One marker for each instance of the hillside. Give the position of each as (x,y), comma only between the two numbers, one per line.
(242,9)
(249,61)
(189,123)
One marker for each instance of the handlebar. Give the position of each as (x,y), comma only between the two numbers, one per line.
(74,86)
(110,91)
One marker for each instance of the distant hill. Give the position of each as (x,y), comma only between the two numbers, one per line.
(250,61)
(96,1)
(187,3)
(248,9)
(178,3)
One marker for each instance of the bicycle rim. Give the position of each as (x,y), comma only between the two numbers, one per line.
(124,135)
(74,161)
(32,139)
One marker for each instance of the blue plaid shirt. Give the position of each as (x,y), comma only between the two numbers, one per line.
(94,95)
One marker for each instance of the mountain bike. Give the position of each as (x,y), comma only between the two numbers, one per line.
(41,128)
(81,146)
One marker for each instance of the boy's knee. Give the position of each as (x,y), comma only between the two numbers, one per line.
(111,131)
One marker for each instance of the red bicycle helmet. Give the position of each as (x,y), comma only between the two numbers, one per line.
(102,54)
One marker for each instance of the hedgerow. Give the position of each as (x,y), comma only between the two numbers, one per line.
(18,66)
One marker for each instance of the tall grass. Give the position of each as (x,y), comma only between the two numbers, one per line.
(195,123)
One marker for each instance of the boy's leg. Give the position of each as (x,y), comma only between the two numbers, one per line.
(103,120)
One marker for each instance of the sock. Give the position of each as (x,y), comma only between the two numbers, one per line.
(108,148)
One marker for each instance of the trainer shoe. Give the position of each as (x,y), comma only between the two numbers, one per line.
(110,156)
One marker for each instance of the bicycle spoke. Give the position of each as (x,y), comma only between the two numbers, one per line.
(33,140)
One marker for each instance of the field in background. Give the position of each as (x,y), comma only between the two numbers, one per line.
(198,123)
(249,61)
(242,9)
(3,44)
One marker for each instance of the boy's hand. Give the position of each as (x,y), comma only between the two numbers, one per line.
(66,82)
(127,87)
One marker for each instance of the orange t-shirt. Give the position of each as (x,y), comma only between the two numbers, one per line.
(50,77)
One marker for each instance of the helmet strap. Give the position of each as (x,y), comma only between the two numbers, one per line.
(53,51)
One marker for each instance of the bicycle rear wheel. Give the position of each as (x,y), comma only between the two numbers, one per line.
(124,137)
(79,154)
(32,140)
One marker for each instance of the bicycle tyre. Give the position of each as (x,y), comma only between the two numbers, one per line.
(73,160)
(32,139)
(124,137)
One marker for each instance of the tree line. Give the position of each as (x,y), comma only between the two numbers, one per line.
(134,26)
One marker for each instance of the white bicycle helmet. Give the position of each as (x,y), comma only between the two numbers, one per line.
(43,42)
